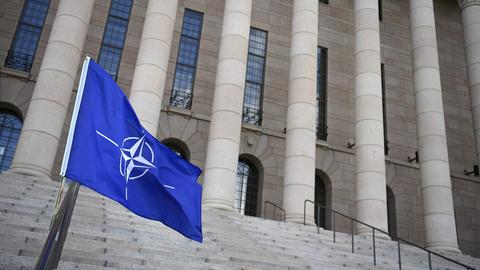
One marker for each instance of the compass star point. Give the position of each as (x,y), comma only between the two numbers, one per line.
(133,158)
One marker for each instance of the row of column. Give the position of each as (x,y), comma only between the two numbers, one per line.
(39,139)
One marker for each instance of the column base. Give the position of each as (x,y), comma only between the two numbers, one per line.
(25,170)
(444,247)
(298,218)
(217,204)
(369,233)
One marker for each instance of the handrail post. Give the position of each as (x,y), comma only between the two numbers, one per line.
(304,212)
(399,256)
(265,210)
(333,226)
(429,261)
(374,252)
(351,231)
(318,219)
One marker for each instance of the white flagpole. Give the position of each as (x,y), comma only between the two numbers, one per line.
(78,101)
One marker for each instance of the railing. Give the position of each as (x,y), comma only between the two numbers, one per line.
(252,116)
(274,207)
(181,99)
(52,249)
(374,229)
(18,60)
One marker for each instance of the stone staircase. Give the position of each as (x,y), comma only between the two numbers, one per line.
(103,235)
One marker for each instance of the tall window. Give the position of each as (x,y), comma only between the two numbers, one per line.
(384,109)
(380,10)
(246,188)
(252,102)
(10,127)
(188,48)
(322,55)
(29,28)
(114,36)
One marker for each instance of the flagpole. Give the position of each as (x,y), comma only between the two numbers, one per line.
(76,108)
(62,212)
(71,131)
(57,200)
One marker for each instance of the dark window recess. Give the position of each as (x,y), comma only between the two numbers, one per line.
(246,188)
(323,1)
(177,150)
(10,127)
(114,36)
(321,198)
(187,57)
(322,55)
(252,101)
(380,10)
(384,110)
(27,35)
(391,214)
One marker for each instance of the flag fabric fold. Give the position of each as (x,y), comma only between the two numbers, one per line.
(110,152)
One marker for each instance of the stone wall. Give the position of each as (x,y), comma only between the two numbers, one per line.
(466,197)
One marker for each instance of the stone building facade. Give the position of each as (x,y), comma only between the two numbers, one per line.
(440,39)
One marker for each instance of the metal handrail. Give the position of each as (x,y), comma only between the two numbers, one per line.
(275,206)
(399,240)
(52,249)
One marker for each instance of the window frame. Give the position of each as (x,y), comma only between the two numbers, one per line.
(380,10)
(384,109)
(194,73)
(249,209)
(102,44)
(19,118)
(262,85)
(324,136)
(17,27)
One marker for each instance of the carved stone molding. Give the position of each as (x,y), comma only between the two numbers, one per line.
(466,3)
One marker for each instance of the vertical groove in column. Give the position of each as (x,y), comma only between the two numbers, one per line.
(471,30)
(152,62)
(440,229)
(37,147)
(371,197)
(299,179)
(226,120)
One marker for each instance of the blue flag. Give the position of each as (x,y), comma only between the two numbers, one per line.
(110,152)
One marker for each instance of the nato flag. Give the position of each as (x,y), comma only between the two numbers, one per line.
(110,152)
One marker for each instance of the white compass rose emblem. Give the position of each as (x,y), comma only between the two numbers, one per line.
(133,162)
(136,158)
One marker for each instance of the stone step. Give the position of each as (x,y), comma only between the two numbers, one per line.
(104,235)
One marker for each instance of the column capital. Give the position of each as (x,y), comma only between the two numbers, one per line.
(466,3)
